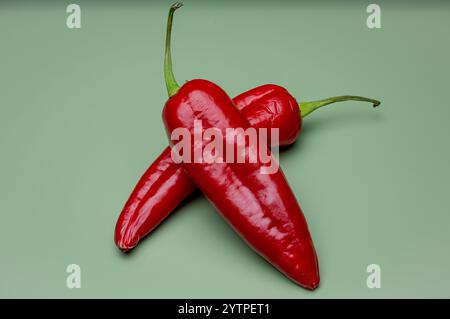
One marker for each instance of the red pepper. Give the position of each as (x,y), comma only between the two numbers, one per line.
(260,207)
(164,185)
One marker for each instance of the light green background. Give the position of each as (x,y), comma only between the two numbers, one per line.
(80,120)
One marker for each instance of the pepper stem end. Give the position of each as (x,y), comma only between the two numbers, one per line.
(171,84)
(308,107)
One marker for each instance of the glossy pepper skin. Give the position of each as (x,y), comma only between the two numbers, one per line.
(260,207)
(164,185)
(271,106)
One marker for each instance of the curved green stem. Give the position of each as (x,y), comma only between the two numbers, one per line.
(308,107)
(171,83)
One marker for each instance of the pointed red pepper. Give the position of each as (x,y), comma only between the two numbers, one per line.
(260,207)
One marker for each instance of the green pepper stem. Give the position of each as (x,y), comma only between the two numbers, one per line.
(171,83)
(307,107)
